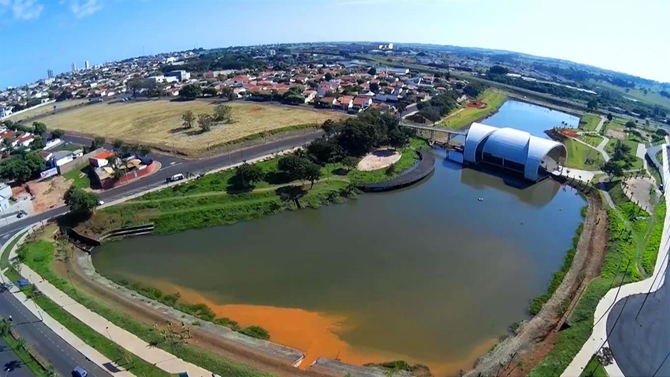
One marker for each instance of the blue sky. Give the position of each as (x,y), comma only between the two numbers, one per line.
(623,35)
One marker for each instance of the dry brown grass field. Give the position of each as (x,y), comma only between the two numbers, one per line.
(158,123)
(47,109)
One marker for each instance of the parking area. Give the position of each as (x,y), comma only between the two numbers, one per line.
(23,207)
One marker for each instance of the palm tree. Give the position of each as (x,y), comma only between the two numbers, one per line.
(50,371)
(21,343)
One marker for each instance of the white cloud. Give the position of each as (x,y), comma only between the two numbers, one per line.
(22,9)
(85,8)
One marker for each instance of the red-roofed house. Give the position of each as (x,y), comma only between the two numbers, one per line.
(362,103)
(24,140)
(100,159)
(345,102)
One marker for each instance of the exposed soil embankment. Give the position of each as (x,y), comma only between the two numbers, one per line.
(517,355)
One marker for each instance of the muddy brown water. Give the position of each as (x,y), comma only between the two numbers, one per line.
(428,274)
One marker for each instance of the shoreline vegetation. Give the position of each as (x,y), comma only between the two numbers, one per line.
(321,173)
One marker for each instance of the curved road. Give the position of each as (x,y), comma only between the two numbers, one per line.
(49,345)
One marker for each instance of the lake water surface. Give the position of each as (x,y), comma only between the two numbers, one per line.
(428,274)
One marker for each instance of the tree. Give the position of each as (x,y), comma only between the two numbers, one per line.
(374,87)
(311,172)
(223,113)
(191,91)
(350,162)
(97,142)
(21,343)
(80,201)
(39,128)
(612,169)
(397,138)
(4,326)
(372,71)
(57,134)
(50,371)
(330,127)
(328,76)
(592,105)
(210,92)
(205,122)
(117,144)
(37,144)
(293,166)
(498,70)
(610,117)
(247,174)
(291,194)
(228,92)
(188,117)
(630,124)
(143,150)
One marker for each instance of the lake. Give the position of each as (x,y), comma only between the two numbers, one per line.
(427,274)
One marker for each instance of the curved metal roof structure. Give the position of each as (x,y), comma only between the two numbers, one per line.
(513,149)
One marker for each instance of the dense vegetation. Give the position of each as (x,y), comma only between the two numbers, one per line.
(218,61)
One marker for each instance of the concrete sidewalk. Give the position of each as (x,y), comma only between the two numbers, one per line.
(123,338)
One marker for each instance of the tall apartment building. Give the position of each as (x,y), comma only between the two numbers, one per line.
(50,73)
(86,65)
(74,67)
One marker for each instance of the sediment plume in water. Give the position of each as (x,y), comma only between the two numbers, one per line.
(316,333)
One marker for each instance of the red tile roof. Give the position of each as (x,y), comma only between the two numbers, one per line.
(103,155)
(361,100)
(345,99)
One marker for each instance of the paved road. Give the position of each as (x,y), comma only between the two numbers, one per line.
(11,364)
(641,346)
(45,342)
(158,178)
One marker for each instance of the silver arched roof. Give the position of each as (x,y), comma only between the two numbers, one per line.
(509,144)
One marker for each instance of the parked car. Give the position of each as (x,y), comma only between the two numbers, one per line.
(20,215)
(100,202)
(174,178)
(79,372)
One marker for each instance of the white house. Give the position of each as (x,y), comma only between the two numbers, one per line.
(362,103)
(5,194)
(23,140)
(52,144)
(5,112)
(309,95)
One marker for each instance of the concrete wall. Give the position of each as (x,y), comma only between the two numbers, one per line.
(30,108)
(78,161)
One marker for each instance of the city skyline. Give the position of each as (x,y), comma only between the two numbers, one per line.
(621,36)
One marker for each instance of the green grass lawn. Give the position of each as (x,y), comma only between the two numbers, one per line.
(653,96)
(579,153)
(494,99)
(637,163)
(79,176)
(589,122)
(594,140)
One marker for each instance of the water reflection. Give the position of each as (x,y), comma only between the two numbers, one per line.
(536,194)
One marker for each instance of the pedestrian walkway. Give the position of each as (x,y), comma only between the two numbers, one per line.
(126,340)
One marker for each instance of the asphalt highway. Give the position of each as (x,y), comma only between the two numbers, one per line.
(641,346)
(11,365)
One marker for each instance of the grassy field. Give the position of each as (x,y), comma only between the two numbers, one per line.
(594,140)
(159,123)
(637,164)
(467,115)
(653,97)
(589,122)
(79,176)
(46,109)
(39,256)
(578,153)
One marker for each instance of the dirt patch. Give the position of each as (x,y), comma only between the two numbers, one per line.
(641,191)
(569,133)
(537,337)
(48,193)
(616,134)
(379,159)
(477,104)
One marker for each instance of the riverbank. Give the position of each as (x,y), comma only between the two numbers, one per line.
(464,117)
(217,199)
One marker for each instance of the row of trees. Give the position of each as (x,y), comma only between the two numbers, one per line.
(621,159)
(221,114)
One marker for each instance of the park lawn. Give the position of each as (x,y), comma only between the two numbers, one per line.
(652,97)
(79,176)
(158,122)
(637,164)
(589,122)
(578,153)
(464,117)
(46,109)
(594,140)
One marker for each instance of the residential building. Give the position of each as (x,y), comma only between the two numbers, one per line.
(5,112)
(309,95)
(362,103)
(74,68)
(181,75)
(61,158)
(100,159)
(5,194)
(24,140)
(86,65)
(50,74)
(346,102)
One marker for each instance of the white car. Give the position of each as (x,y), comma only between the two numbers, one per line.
(100,202)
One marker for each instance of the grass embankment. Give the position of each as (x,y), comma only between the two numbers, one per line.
(628,242)
(589,122)
(593,140)
(557,277)
(215,199)
(464,117)
(579,154)
(79,176)
(158,122)
(39,256)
